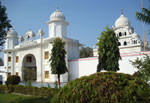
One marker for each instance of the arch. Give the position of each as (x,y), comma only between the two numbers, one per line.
(125,33)
(29,68)
(125,43)
(120,34)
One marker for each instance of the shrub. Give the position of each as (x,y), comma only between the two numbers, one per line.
(36,91)
(19,89)
(13,80)
(28,90)
(28,83)
(106,87)
(3,88)
(11,88)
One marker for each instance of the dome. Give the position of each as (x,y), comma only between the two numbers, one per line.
(57,15)
(29,34)
(122,21)
(12,33)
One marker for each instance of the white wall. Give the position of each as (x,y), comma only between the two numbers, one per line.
(88,66)
(3,74)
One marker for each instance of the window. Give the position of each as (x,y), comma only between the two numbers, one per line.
(29,59)
(9,74)
(46,74)
(119,44)
(46,55)
(9,67)
(17,59)
(125,43)
(125,33)
(120,34)
(9,59)
(17,73)
(135,41)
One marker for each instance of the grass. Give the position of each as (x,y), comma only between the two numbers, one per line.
(14,98)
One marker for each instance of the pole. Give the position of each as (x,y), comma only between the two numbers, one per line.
(143,26)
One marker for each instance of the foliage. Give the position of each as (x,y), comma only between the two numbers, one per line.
(108,51)
(1,62)
(58,63)
(104,87)
(49,86)
(143,66)
(55,83)
(4,25)
(86,52)
(3,88)
(29,74)
(144,15)
(13,80)
(34,91)
(28,83)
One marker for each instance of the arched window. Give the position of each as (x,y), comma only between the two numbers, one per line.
(119,44)
(120,34)
(125,33)
(135,41)
(125,43)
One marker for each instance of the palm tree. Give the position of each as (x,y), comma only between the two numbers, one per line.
(144,15)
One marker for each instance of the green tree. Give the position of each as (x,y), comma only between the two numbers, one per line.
(108,51)
(4,25)
(58,63)
(29,74)
(86,52)
(144,15)
(143,66)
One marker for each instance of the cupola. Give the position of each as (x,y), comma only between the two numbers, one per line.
(122,21)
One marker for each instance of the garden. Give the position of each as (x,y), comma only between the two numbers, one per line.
(101,87)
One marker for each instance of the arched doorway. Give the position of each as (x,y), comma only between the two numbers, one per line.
(29,68)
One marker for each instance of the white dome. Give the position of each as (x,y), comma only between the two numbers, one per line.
(122,21)
(29,34)
(12,33)
(57,15)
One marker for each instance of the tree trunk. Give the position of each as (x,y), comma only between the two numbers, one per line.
(58,80)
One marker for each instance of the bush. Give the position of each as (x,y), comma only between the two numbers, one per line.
(28,90)
(13,80)
(106,87)
(19,89)
(3,88)
(36,91)
(28,83)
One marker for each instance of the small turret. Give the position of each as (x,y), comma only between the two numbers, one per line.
(11,39)
(57,24)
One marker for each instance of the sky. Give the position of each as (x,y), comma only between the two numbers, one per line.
(87,18)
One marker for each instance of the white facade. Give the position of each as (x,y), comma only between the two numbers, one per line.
(20,54)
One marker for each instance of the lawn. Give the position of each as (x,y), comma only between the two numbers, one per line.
(13,98)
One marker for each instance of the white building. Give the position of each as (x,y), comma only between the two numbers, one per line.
(21,54)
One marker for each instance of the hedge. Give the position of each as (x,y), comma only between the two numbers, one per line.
(106,87)
(26,90)
(13,80)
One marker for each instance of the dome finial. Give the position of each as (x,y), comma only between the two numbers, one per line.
(121,11)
